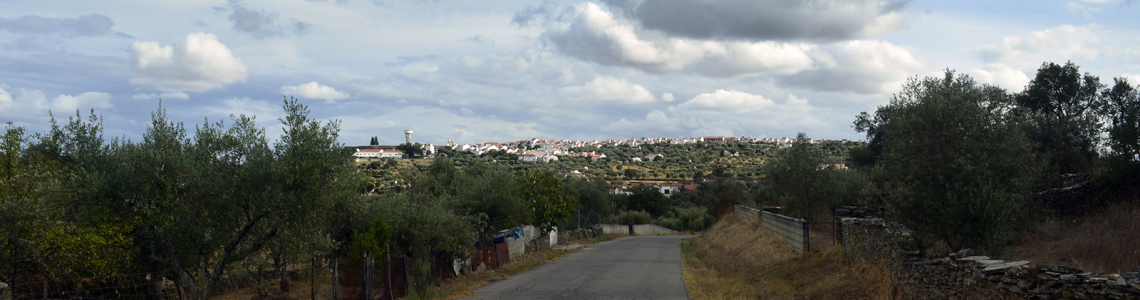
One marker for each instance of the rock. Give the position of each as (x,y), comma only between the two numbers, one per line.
(975,258)
(1001,267)
(963,253)
(1058,269)
(1070,279)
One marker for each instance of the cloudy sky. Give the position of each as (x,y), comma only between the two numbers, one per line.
(480,71)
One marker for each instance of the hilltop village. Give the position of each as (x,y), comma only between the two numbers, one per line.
(667,164)
(549,150)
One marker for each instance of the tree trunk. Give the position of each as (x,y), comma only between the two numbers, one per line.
(282,269)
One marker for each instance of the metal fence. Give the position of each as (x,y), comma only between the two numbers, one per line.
(365,278)
(794,231)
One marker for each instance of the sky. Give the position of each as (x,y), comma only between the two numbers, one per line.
(483,71)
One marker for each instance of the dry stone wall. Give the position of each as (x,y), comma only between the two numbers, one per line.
(963,275)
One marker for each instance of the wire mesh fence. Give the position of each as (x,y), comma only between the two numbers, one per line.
(324,279)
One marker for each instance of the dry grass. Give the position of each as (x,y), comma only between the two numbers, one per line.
(1106,242)
(743,261)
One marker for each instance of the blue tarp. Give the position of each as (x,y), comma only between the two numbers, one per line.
(504,234)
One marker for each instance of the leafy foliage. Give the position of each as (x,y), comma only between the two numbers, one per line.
(955,164)
(1064,105)
(543,191)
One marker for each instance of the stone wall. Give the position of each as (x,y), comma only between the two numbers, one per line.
(639,229)
(963,275)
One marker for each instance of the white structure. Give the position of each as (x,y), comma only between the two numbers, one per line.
(363,154)
(669,189)
(370,154)
(408,135)
(529,156)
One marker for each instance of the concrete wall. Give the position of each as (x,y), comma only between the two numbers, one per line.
(963,275)
(639,229)
(793,231)
(517,246)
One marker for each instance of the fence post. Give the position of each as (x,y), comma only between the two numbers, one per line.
(5,292)
(367,289)
(313,279)
(201,278)
(336,279)
(388,264)
(807,234)
(630,229)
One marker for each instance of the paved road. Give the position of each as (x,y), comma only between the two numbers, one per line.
(647,267)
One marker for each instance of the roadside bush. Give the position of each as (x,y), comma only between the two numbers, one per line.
(671,223)
(695,218)
(633,217)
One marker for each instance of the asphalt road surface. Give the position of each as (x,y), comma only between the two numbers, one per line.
(645,267)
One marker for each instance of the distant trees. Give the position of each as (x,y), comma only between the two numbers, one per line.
(801,182)
(411,150)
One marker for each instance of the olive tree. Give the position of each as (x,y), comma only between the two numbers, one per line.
(956,164)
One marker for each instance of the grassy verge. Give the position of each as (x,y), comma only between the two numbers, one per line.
(733,260)
(1106,242)
(464,286)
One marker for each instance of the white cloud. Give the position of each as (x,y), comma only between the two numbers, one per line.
(1003,76)
(668,97)
(735,58)
(88,100)
(197,63)
(862,66)
(1133,79)
(607,88)
(5,96)
(596,35)
(1058,44)
(314,90)
(33,105)
(1081,9)
(248,107)
(723,101)
(148,96)
(591,33)
(727,113)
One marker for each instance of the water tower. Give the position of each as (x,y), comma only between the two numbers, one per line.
(408,135)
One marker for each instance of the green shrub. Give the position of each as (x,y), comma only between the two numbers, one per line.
(633,217)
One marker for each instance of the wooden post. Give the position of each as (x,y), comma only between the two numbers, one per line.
(388,262)
(336,279)
(313,279)
(201,278)
(806,237)
(367,288)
